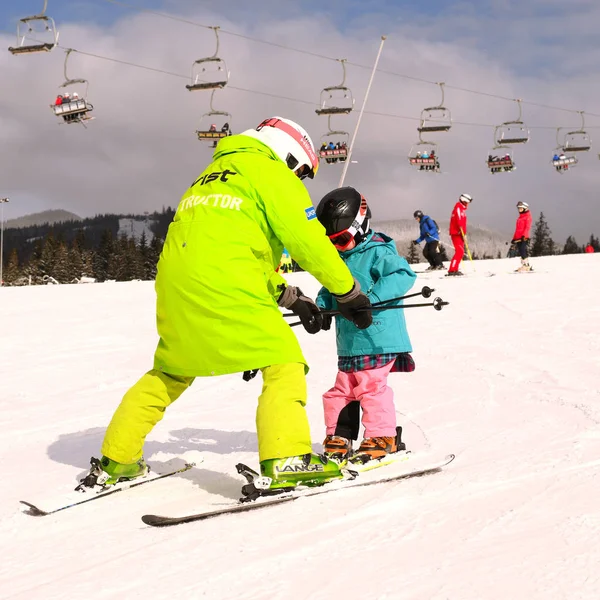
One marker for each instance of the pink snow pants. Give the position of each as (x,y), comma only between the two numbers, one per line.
(376,400)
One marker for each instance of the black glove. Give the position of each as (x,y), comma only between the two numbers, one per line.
(301,305)
(327,319)
(350,303)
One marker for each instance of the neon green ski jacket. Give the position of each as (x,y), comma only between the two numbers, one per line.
(216,285)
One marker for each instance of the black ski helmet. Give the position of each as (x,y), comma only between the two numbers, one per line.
(343,208)
(418,214)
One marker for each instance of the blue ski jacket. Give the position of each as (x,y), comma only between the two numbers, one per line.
(429,231)
(382,275)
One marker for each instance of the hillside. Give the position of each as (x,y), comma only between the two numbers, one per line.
(49,217)
(514,517)
(482,241)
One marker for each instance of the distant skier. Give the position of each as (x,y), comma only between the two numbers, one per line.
(219,299)
(458,231)
(521,236)
(430,233)
(367,356)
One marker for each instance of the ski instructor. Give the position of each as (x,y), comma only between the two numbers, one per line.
(218,299)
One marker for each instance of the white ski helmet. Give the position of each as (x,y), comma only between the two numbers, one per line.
(290,142)
(522,204)
(465,198)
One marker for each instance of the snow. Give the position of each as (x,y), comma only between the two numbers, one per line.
(135,228)
(507,379)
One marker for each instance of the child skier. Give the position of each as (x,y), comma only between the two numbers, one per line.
(367,356)
(521,236)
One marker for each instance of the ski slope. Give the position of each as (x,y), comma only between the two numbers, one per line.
(507,379)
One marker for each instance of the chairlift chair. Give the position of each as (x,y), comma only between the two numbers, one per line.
(560,161)
(336,99)
(209,73)
(334,146)
(578,140)
(512,132)
(77,110)
(24,27)
(214,132)
(424,156)
(435,118)
(500,160)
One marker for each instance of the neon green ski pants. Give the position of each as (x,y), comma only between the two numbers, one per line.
(281,422)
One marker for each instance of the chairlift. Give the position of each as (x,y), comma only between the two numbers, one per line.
(435,118)
(337,99)
(214,132)
(424,156)
(334,145)
(512,132)
(209,73)
(578,140)
(560,161)
(73,108)
(25,27)
(500,160)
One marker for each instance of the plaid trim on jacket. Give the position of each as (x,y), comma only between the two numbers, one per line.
(403,362)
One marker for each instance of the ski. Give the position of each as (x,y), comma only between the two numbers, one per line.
(334,486)
(35,511)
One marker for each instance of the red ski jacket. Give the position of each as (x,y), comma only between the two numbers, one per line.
(523,226)
(458,219)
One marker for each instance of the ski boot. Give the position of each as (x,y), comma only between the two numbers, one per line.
(338,448)
(106,472)
(525,266)
(280,475)
(378,448)
(454,274)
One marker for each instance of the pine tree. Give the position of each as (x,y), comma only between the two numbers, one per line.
(412,257)
(595,243)
(543,244)
(103,254)
(11,272)
(571,246)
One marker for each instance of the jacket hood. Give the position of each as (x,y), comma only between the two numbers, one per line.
(243,143)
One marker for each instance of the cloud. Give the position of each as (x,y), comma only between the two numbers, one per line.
(141,152)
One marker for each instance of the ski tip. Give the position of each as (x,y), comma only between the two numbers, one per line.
(33,510)
(154,520)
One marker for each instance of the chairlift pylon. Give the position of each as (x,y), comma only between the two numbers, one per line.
(435,118)
(424,155)
(212,133)
(39,46)
(512,132)
(578,140)
(334,145)
(73,109)
(203,67)
(560,161)
(336,99)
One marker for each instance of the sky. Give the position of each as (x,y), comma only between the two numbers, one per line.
(506,381)
(140,153)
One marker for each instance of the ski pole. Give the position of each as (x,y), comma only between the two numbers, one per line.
(425,292)
(437,304)
(464,236)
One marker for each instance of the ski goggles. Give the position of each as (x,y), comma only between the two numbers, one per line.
(308,170)
(343,239)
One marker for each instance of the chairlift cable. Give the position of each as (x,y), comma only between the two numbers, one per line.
(307,102)
(357,65)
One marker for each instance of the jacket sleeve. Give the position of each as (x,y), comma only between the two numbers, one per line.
(324,299)
(430,229)
(527,228)
(393,277)
(292,218)
(462,219)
